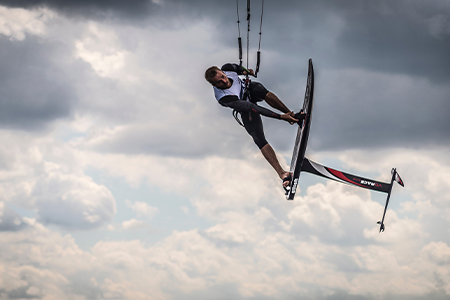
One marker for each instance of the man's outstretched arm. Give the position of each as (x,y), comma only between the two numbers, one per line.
(247,106)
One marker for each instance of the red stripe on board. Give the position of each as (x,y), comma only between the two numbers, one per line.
(342,177)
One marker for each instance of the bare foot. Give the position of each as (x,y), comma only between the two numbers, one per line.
(287,182)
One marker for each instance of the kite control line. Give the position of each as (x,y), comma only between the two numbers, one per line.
(258,53)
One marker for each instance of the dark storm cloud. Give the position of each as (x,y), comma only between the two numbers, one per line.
(403,36)
(34,90)
(396,38)
(95,8)
(381,114)
(132,10)
(407,37)
(411,38)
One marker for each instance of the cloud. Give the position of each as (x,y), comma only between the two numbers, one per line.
(142,209)
(134,224)
(93,9)
(116,73)
(438,252)
(270,265)
(329,245)
(9,219)
(16,23)
(35,89)
(99,49)
(379,111)
(72,201)
(60,193)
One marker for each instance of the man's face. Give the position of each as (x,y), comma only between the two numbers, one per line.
(221,80)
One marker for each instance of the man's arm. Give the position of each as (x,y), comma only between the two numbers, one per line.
(240,70)
(247,106)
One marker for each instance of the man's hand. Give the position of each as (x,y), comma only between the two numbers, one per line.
(289,117)
(292,114)
(250,72)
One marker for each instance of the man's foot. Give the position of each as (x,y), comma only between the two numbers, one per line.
(287,182)
(300,116)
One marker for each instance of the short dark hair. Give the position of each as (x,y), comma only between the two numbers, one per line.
(210,73)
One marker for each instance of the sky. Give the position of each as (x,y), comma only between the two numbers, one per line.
(122,178)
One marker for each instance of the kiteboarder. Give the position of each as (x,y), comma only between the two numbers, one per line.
(233,92)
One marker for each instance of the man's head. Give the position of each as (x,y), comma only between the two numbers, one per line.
(217,78)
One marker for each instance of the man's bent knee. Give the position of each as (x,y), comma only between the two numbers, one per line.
(260,142)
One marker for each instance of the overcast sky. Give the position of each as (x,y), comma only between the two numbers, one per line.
(121,177)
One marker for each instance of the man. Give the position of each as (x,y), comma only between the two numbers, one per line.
(230,91)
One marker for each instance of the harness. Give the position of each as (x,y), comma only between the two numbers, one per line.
(245,95)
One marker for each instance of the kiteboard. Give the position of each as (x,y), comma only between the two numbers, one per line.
(302,134)
(300,163)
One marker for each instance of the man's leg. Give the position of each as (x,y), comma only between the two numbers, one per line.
(269,154)
(254,127)
(275,102)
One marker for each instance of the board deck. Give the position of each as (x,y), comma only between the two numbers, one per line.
(302,134)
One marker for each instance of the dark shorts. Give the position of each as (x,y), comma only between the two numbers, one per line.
(251,112)
(252,120)
(254,126)
(257,92)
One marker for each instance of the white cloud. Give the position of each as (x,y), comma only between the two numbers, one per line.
(102,50)
(41,176)
(142,209)
(185,209)
(72,200)
(134,224)
(438,252)
(17,22)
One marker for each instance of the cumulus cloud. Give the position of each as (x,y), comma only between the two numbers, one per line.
(134,224)
(329,245)
(438,252)
(9,219)
(268,264)
(142,209)
(16,22)
(99,49)
(60,194)
(72,201)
